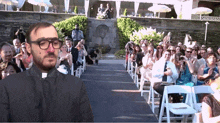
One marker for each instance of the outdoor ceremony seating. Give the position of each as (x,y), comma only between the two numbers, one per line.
(183,108)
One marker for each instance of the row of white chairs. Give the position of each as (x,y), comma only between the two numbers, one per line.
(187,108)
(80,69)
(172,107)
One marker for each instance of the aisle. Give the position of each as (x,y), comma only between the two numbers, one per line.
(113,95)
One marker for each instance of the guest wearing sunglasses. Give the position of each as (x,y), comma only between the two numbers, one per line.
(186,68)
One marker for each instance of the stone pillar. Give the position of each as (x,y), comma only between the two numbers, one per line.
(187,9)
(136,6)
(86,5)
(118,6)
(66,5)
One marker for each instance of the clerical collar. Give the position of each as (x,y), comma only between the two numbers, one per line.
(44,75)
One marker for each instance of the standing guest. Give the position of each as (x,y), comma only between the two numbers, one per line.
(17,46)
(163,71)
(83,42)
(139,58)
(211,104)
(27,58)
(42,94)
(77,35)
(108,11)
(8,68)
(92,56)
(208,71)
(178,49)
(159,52)
(81,53)
(7,55)
(20,34)
(64,61)
(72,50)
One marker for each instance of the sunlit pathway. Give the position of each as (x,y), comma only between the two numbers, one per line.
(113,95)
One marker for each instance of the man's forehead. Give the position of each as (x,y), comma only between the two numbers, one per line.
(43,32)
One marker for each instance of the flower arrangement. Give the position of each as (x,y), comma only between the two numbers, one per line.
(149,34)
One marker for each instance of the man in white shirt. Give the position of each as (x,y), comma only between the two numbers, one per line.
(163,71)
(202,60)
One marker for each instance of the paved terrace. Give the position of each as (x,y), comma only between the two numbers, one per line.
(113,95)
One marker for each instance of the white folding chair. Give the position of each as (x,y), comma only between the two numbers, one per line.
(184,108)
(129,64)
(136,79)
(84,63)
(200,90)
(72,69)
(151,98)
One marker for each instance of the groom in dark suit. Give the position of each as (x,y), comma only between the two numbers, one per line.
(42,94)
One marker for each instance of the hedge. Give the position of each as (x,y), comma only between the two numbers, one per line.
(65,27)
(125,28)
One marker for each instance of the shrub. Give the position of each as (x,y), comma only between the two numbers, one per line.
(120,53)
(76,10)
(125,28)
(125,12)
(65,27)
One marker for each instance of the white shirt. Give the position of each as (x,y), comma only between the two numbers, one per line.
(44,75)
(158,71)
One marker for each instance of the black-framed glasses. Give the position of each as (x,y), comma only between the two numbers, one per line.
(189,51)
(44,43)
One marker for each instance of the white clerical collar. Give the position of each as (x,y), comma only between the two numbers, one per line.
(44,75)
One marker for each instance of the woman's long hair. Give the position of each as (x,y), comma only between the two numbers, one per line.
(157,52)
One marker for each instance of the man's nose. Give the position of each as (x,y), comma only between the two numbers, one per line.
(50,48)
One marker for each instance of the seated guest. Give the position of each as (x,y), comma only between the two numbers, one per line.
(163,71)
(209,70)
(26,57)
(146,70)
(186,68)
(209,50)
(17,46)
(64,61)
(137,49)
(92,57)
(159,52)
(7,55)
(178,49)
(8,68)
(202,60)
(173,52)
(81,53)
(211,104)
(83,42)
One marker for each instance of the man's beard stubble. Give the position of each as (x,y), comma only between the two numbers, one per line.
(39,62)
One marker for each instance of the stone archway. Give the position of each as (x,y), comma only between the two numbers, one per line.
(93,8)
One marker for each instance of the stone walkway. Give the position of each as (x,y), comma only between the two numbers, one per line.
(113,95)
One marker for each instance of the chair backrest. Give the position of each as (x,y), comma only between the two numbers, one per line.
(72,69)
(199,90)
(172,89)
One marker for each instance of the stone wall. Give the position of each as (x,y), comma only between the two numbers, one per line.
(103,34)
(10,21)
(179,28)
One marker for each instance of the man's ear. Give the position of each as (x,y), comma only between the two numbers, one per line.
(28,47)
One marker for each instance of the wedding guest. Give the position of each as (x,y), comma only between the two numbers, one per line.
(202,60)
(26,57)
(65,60)
(7,55)
(146,70)
(8,68)
(77,35)
(209,50)
(211,103)
(17,46)
(208,71)
(92,57)
(81,53)
(159,52)
(178,49)
(20,34)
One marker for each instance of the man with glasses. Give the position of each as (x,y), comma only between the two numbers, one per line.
(42,94)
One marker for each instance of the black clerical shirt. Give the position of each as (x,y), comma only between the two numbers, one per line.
(27,97)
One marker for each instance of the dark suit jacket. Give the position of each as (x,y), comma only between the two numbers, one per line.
(24,98)
(75,54)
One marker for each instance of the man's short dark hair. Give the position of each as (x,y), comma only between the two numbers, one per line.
(35,27)
(97,50)
(211,54)
(4,44)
